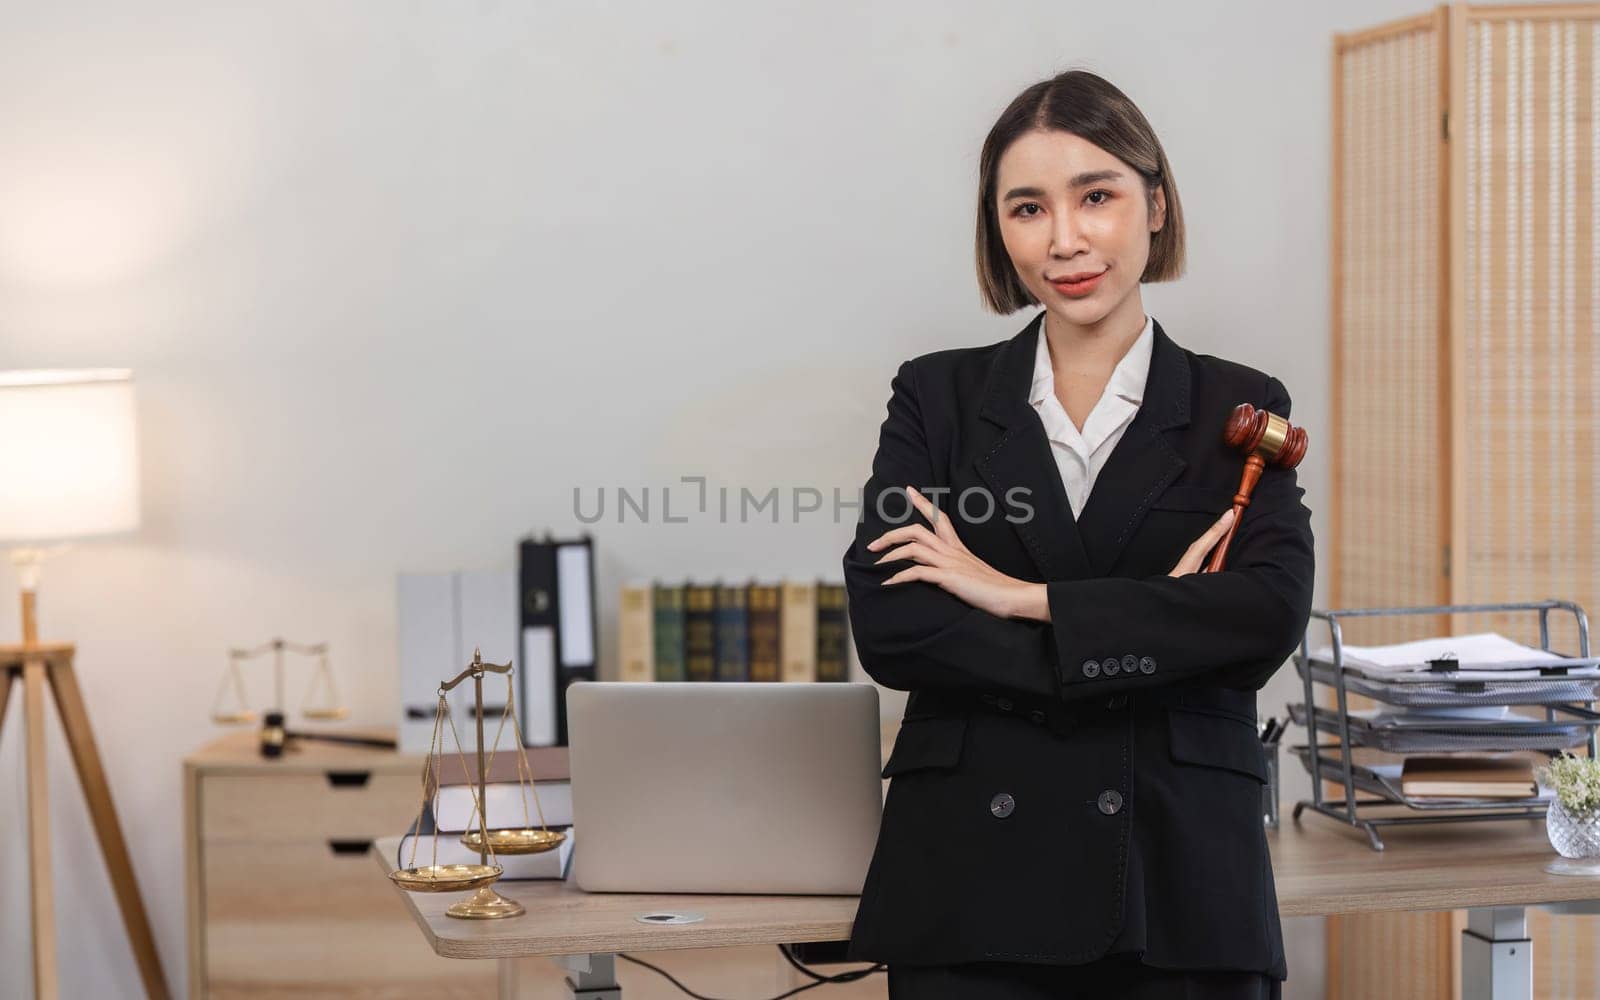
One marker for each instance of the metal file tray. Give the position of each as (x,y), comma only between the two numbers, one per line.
(1458,691)
(1560,687)
(1367,780)
(1568,666)
(1443,735)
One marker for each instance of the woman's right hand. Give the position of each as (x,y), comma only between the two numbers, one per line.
(1196,555)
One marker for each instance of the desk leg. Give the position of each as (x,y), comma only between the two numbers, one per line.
(1496,955)
(589,977)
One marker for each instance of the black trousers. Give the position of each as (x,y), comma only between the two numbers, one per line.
(1107,979)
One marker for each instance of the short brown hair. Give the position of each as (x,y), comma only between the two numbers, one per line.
(1086,105)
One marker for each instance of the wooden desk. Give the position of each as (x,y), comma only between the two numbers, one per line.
(1323,867)
(1493,870)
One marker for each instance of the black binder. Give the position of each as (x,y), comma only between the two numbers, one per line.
(559,630)
(537,624)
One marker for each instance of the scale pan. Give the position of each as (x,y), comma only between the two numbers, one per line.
(527,840)
(325,713)
(232,718)
(445,878)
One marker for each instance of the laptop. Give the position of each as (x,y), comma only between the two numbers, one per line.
(728,788)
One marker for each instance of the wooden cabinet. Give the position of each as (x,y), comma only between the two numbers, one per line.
(282,896)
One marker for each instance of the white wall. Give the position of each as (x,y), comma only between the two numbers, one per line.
(394,279)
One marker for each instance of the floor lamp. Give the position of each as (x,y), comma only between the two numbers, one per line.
(70,463)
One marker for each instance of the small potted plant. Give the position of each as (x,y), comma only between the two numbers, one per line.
(1573,820)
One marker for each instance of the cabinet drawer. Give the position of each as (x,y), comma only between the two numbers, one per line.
(288,880)
(303,916)
(307,806)
(336,958)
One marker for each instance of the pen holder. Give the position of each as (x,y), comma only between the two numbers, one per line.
(1269,791)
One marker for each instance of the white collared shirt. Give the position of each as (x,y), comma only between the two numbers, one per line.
(1080,455)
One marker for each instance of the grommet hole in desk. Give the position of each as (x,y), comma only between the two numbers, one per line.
(670,918)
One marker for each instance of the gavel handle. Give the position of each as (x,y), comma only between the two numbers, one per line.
(1253,467)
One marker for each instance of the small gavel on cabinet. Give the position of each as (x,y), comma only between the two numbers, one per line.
(1264,437)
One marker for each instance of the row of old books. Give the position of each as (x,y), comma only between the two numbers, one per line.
(794,630)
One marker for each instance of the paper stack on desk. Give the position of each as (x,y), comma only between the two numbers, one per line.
(506,803)
(1485,655)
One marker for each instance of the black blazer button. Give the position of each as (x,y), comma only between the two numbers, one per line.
(1109,666)
(1091,668)
(1002,805)
(1110,801)
(1005,704)
(1130,663)
(1036,717)
(1147,665)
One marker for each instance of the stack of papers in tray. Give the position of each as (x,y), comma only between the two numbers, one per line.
(1434,718)
(1483,656)
(1409,731)
(1394,774)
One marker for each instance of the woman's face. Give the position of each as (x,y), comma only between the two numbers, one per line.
(1070,210)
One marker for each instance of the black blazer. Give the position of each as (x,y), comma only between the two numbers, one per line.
(1092,785)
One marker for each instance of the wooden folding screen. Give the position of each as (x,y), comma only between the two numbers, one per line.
(1390,411)
(1466,372)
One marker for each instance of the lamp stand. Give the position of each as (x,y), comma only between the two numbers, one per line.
(36,664)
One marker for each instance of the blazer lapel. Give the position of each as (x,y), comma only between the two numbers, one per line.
(1022,458)
(1141,465)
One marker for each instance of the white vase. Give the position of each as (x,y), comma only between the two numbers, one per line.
(1576,837)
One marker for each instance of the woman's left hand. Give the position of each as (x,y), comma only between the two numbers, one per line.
(944,560)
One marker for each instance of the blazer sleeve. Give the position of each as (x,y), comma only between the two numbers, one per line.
(1236,626)
(918,635)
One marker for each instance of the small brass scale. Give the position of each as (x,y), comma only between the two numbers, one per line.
(485,903)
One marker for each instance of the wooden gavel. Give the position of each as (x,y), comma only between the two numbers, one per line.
(1264,437)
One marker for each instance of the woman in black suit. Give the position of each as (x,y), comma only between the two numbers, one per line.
(1075,804)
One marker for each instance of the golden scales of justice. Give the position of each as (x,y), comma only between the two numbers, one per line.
(485,903)
(321,701)
(321,679)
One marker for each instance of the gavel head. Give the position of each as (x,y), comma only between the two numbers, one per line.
(1258,432)
(273,735)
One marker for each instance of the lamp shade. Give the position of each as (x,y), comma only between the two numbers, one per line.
(69,457)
